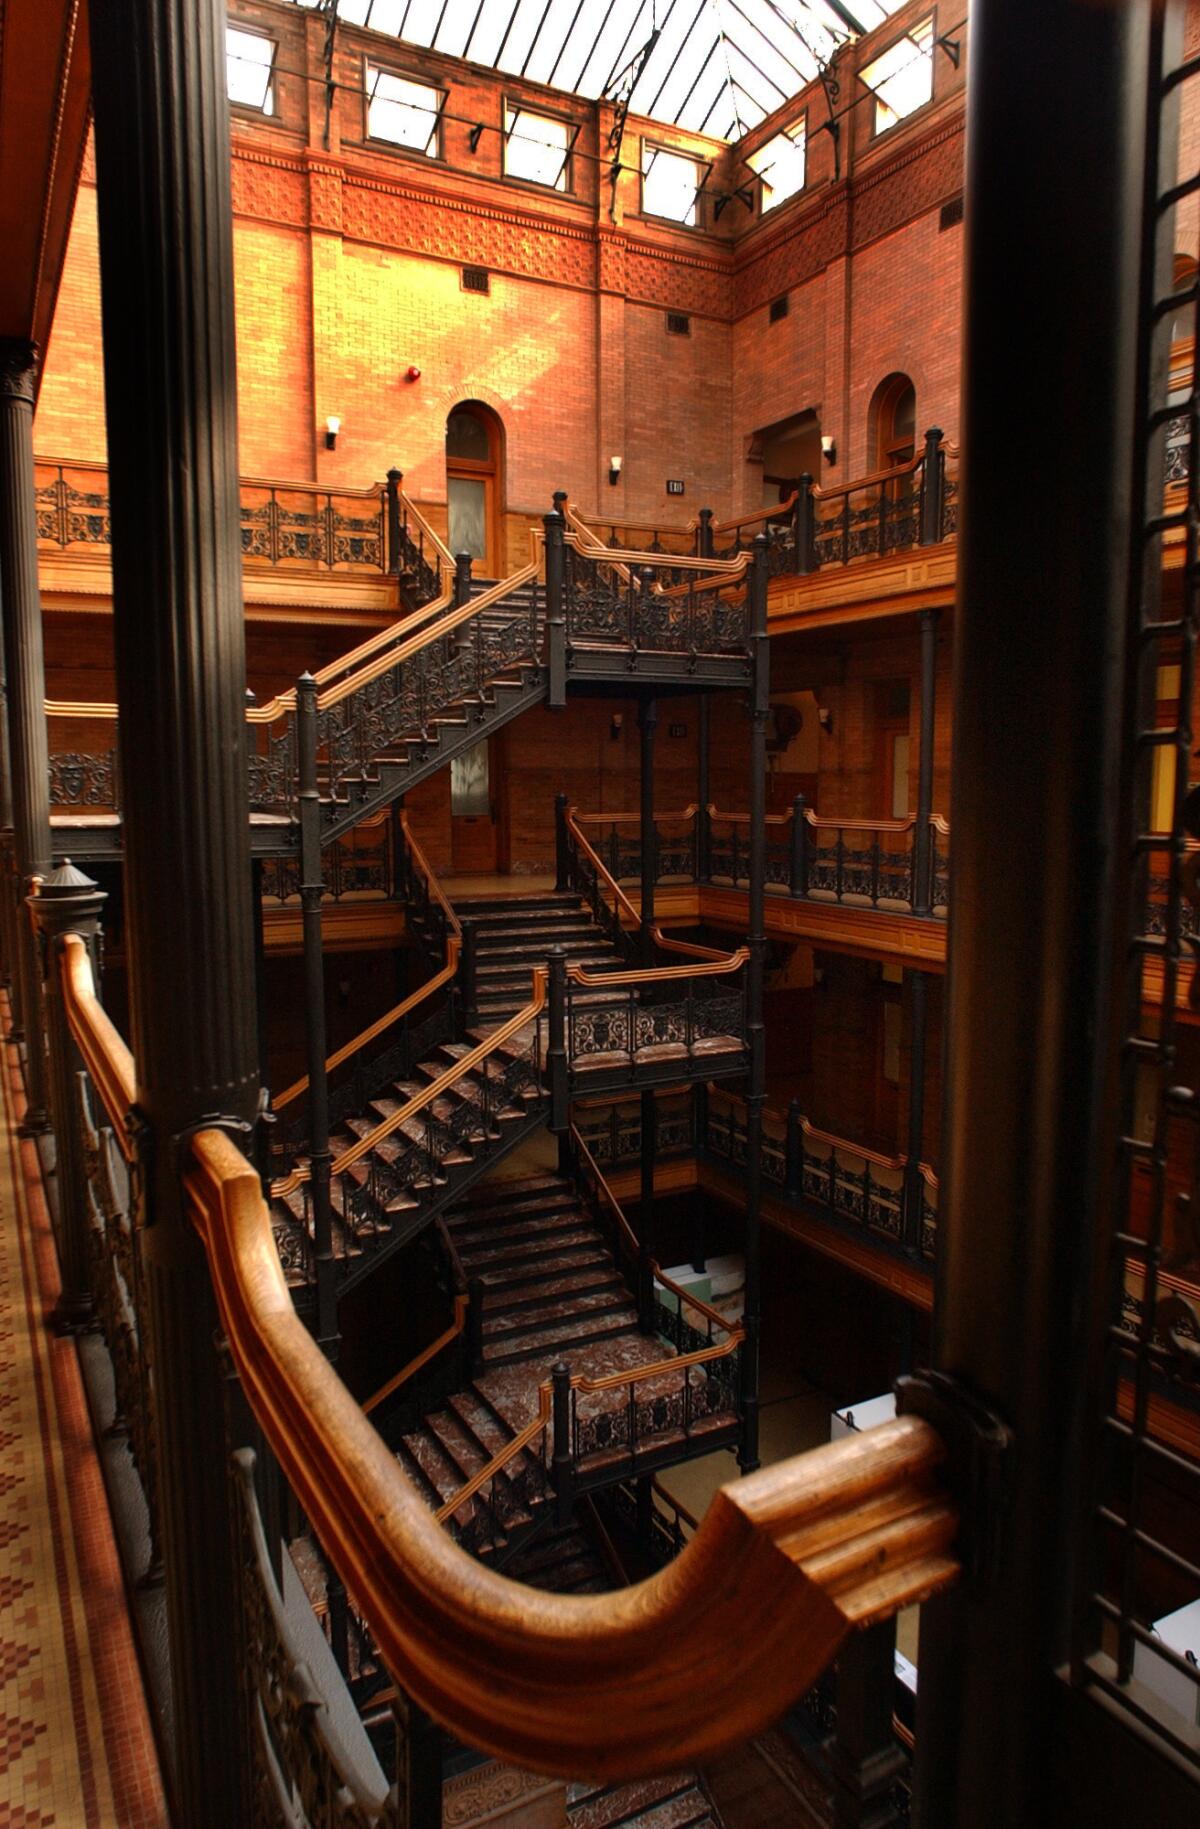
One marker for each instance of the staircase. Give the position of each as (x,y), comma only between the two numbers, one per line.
(389,1194)
(513,933)
(675,1802)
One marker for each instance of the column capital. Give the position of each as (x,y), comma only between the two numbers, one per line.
(18,368)
(66,901)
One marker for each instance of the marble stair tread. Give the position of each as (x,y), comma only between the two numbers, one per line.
(513,1389)
(517,1324)
(464,1453)
(563,1336)
(527,1297)
(493,1192)
(443,1478)
(526,1249)
(640,1803)
(543,1216)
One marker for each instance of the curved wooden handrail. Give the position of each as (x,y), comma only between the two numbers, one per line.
(743,819)
(624,905)
(428,1094)
(421,1359)
(786,1562)
(105,1053)
(870,480)
(396,1014)
(439,545)
(624,819)
(584,540)
(658,974)
(759,515)
(499,1461)
(895,1165)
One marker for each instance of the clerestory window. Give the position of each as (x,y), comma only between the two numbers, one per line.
(901,78)
(250,69)
(779,166)
(537,147)
(403,112)
(670,184)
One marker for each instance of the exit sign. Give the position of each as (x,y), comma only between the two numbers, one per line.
(674,485)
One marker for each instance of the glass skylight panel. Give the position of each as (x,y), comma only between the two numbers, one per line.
(670,181)
(902,78)
(401,111)
(249,62)
(535,147)
(779,166)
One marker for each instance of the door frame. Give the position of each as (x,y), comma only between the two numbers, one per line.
(490,472)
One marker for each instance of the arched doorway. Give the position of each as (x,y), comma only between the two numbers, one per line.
(474,486)
(894,413)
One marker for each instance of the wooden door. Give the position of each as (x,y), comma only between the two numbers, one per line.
(473,812)
(473,488)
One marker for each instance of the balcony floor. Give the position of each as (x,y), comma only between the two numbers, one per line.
(76,1746)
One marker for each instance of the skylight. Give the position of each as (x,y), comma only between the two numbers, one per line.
(712,66)
(902,78)
(779,166)
(249,64)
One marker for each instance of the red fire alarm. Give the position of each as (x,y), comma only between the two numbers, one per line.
(412,374)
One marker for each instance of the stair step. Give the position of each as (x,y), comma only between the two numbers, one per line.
(522,1252)
(571,1277)
(573,1331)
(499,1193)
(652,1803)
(496,1224)
(512,1323)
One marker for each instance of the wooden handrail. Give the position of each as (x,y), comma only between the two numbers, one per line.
(622,819)
(760,514)
(624,905)
(373,491)
(499,1461)
(585,541)
(871,479)
(439,545)
(658,974)
(398,1011)
(787,1560)
(743,819)
(105,1053)
(680,1362)
(422,1359)
(428,1094)
(895,1163)
(680,1509)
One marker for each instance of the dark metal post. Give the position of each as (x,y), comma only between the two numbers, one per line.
(1033,1014)
(468,963)
(756,939)
(799,859)
(462,579)
(562,1461)
(914,1186)
(793,1157)
(26,682)
(934,488)
(865,1759)
(556,612)
(67,903)
(474,1327)
(703,788)
(394,480)
(922,887)
(316,1047)
(562,844)
(648,725)
(646,1238)
(804,526)
(704,534)
(556,1042)
(166,268)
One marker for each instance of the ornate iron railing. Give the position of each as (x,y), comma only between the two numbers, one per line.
(636,600)
(283,524)
(612,1128)
(357,867)
(885,1196)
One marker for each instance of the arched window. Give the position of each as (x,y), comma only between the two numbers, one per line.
(894,421)
(474,476)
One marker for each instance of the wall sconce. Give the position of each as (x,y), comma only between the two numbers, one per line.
(829,450)
(614,470)
(333,426)
(614,729)
(412,373)
(825,719)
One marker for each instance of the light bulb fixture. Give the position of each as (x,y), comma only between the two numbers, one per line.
(614,470)
(333,426)
(829,450)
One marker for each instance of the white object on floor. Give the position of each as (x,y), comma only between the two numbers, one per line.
(866,1415)
(1181,1632)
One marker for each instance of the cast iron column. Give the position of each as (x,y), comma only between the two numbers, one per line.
(648,724)
(1033,1011)
(68,902)
(922,888)
(703,787)
(756,939)
(26,680)
(914,1186)
(312,889)
(166,267)
(646,1239)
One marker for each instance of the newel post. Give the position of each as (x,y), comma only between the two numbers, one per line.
(804,526)
(67,902)
(394,480)
(556,1051)
(933,493)
(562,1460)
(562,844)
(704,534)
(556,615)
(462,579)
(799,863)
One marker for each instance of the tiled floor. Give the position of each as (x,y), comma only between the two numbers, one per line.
(76,1748)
